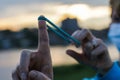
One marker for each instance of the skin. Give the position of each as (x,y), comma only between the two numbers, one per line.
(94,52)
(36,65)
(115,6)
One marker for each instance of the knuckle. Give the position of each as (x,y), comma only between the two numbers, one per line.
(25,51)
(99,40)
(44,40)
(44,44)
(88,46)
(85,30)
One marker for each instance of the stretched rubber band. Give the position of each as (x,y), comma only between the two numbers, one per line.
(61,33)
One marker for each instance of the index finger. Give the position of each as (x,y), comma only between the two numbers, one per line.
(83,35)
(43,40)
(24,64)
(44,50)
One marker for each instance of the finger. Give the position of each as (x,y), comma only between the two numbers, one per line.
(35,75)
(15,75)
(43,41)
(87,49)
(99,52)
(24,64)
(43,49)
(89,46)
(93,43)
(77,56)
(83,35)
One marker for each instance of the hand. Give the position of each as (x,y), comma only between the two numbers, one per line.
(36,65)
(94,51)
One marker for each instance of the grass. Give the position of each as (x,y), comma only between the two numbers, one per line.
(72,72)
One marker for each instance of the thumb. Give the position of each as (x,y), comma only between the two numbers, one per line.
(36,75)
(77,56)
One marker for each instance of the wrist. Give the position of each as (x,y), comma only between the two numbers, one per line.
(112,74)
(103,71)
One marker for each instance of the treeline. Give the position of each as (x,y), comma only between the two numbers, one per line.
(27,38)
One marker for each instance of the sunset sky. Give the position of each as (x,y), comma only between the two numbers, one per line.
(17,14)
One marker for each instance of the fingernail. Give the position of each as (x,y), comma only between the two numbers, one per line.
(23,76)
(42,24)
(41,21)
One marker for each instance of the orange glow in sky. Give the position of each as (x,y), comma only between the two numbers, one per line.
(83,12)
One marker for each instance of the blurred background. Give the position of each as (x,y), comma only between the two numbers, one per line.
(18,30)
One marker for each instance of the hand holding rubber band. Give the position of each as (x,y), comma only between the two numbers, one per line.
(60,32)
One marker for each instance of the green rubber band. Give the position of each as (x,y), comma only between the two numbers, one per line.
(59,34)
(62,33)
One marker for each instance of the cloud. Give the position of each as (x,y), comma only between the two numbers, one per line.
(20,12)
(14,7)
